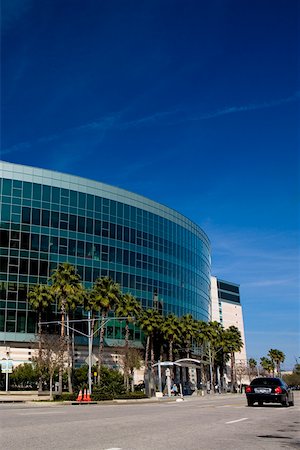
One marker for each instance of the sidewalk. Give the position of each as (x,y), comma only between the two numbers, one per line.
(28,397)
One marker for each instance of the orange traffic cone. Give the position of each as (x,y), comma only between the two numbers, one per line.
(79,398)
(84,396)
(88,397)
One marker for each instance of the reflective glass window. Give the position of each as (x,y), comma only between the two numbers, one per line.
(25,241)
(46,193)
(7,187)
(90,202)
(97,227)
(36,220)
(26,215)
(81,224)
(21,322)
(35,238)
(54,219)
(89,226)
(45,218)
(82,198)
(34,266)
(72,222)
(4,238)
(72,247)
(55,195)
(73,198)
(3,264)
(37,191)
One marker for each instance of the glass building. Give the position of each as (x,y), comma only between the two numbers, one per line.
(49,217)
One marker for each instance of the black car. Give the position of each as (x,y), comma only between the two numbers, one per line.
(269,390)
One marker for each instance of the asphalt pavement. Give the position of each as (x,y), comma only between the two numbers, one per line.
(211,423)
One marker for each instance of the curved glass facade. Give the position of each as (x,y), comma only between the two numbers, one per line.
(49,217)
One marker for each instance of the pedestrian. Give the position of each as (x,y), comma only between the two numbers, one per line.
(175,389)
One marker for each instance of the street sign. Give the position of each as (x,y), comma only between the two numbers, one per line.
(6,366)
(94,360)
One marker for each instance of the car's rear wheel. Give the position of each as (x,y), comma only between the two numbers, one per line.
(260,403)
(249,402)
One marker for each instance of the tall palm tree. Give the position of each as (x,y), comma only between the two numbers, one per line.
(150,322)
(171,331)
(267,364)
(40,299)
(214,337)
(189,331)
(277,356)
(233,343)
(252,363)
(130,308)
(69,293)
(106,294)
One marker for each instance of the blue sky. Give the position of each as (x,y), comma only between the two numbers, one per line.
(193,104)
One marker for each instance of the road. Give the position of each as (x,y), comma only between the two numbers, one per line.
(210,423)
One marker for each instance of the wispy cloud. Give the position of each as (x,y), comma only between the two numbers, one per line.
(249,107)
(117,121)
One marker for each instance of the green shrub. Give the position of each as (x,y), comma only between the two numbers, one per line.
(65,396)
(98,396)
(132,395)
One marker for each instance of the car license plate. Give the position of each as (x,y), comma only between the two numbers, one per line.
(262,390)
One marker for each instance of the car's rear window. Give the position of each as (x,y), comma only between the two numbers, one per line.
(265,382)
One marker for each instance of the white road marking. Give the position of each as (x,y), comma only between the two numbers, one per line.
(238,420)
(114,448)
(37,413)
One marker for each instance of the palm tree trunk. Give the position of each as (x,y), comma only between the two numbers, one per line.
(101,347)
(126,372)
(171,350)
(70,387)
(60,372)
(147,352)
(152,354)
(232,375)
(40,353)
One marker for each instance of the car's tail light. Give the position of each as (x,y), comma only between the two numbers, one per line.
(278,390)
(248,389)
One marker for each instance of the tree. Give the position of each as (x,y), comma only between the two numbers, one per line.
(69,293)
(40,299)
(232,343)
(189,330)
(129,308)
(132,360)
(267,364)
(171,331)
(252,364)
(25,376)
(150,322)
(52,356)
(105,295)
(277,356)
(213,334)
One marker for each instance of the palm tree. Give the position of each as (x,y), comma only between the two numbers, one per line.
(189,331)
(233,343)
(213,333)
(69,293)
(252,363)
(277,356)
(40,299)
(150,322)
(171,331)
(129,308)
(106,294)
(267,364)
